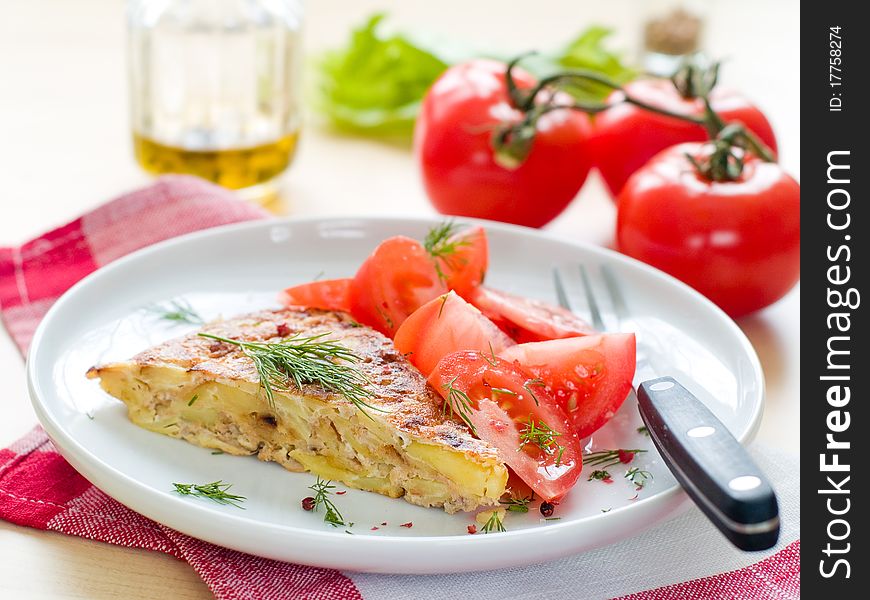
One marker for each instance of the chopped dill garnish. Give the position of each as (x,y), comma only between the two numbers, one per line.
(608,458)
(443,302)
(458,402)
(168,425)
(503,392)
(302,360)
(439,245)
(216,490)
(520,505)
(178,310)
(194,399)
(599,475)
(552,518)
(216,452)
(638,477)
(322,490)
(494,523)
(491,359)
(386,318)
(643,430)
(543,436)
(528,385)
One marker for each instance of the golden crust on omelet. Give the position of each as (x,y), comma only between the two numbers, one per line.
(406,426)
(398,389)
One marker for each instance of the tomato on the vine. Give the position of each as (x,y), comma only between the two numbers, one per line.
(737,242)
(453,139)
(626,136)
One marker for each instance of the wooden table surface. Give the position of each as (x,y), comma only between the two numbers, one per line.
(64,147)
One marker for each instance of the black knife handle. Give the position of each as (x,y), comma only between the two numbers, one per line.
(710,464)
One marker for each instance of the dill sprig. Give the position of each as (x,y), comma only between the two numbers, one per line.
(322,490)
(528,385)
(178,310)
(608,458)
(520,505)
(643,430)
(638,477)
(443,302)
(459,403)
(543,436)
(216,490)
(302,360)
(494,523)
(599,475)
(439,245)
(491,353)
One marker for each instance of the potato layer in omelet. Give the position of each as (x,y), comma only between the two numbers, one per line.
(208,393)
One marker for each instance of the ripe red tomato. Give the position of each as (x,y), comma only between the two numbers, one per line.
(329,294)
(452,139)
(736,242)
(395,280)
(464,267)
(533,436)
(527,320)
(443,326)
(589,377)
(626,137)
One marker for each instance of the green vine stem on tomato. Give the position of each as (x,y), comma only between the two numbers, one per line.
(462,112)
(513,141)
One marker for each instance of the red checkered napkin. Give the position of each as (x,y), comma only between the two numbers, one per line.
(38,488)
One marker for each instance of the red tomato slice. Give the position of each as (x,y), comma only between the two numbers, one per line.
(506,408)
(465,267)
(329,294)
(395,280)
(445,325)
(528,320)
(589,377)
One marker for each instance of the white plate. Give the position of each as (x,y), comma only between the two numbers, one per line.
(238,268)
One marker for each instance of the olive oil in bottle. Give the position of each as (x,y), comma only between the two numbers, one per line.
(215,88)
(234,168)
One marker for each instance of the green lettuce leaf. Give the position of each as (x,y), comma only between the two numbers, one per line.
(376,82)
(374,85)
(587,51)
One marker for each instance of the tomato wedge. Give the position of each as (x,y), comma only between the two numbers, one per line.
(527,320)
(507,408)
(462,260)
(329,294)
(445,325)
(395,280)
(589,377)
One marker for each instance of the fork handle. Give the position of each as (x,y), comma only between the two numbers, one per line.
(710,464)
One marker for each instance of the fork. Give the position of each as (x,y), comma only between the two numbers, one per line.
(712,466)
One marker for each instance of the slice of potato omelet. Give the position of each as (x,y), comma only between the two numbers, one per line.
(208,392)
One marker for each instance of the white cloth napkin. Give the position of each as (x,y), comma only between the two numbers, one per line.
(683,548)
